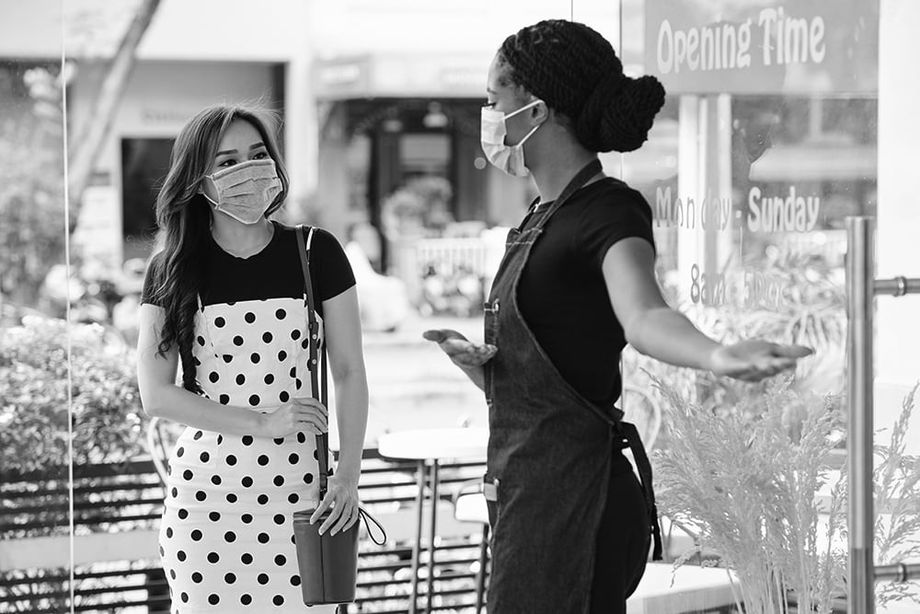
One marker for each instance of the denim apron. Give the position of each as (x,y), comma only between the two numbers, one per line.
(549,455)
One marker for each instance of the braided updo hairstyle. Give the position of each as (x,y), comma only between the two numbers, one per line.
(576,72)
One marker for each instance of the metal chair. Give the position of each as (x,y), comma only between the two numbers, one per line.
(470,506)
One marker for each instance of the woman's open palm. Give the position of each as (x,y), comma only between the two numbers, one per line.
(754,360)
(461,350)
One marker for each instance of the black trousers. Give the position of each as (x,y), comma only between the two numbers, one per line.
(622,541)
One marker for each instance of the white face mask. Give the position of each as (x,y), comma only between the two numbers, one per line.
(509,158)
(245,191)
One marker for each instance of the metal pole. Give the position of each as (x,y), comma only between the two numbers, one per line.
(898,572)
(899,286)
(483,562)
(860,276)
(416,547)
(432,535)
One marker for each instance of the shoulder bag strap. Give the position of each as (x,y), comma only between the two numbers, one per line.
(304,241)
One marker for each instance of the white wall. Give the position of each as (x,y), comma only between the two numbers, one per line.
(274,30)
(444,26)
(30,29)
(898,319)
(250,30)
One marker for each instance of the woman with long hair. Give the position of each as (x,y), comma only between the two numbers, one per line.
(572,525)
(225,299)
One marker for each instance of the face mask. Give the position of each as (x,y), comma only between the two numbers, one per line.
(245,191)
(509,158)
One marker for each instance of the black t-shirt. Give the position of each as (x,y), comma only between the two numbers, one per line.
(562,294)
(274,272)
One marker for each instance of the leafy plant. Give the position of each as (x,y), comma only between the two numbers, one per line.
(747,480)
(108,421)
(897,493)
(31,181)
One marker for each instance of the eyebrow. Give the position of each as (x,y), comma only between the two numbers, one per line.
(233,151)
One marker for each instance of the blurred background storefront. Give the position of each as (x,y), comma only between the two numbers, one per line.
(379,107)
(782,119)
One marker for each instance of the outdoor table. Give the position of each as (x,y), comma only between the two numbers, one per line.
(429,447)
(694,589)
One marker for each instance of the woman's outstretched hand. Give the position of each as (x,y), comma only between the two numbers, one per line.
(754,360)
(463,352)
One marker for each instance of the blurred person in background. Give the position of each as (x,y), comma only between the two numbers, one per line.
(572,525)
(383,299)
(226,296)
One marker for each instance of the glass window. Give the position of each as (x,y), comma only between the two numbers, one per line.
(35,498)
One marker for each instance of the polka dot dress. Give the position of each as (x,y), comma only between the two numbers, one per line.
(226,537)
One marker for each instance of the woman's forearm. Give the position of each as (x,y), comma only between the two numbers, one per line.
(179,405)
(351,417)
(669,336)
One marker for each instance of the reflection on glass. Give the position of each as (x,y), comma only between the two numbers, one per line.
(112,176)
(768,142)
(34,493)
(763,148)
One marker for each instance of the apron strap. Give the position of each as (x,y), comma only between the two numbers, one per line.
(319,391)
(627,432)
(629,438)
(591,169)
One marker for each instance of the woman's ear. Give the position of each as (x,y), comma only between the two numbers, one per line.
(543,113)
(540,113)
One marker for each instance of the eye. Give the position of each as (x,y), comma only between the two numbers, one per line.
(227,163)
(261,155)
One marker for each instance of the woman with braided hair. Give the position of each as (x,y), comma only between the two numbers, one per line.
(572,525)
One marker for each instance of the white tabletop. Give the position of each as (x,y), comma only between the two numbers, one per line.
(694,588)
(435,444)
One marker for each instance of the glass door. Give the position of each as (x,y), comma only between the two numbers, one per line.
(35,384)
(768,140)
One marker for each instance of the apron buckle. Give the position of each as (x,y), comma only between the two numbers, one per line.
(490,489)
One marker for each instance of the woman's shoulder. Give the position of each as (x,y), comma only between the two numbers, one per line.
(612,186)
(321,236)
(324,245)
(614,197)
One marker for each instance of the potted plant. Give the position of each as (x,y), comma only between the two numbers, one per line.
(757,484)
(744,480)
(757,471)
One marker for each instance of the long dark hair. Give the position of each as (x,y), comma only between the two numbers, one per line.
(184,219)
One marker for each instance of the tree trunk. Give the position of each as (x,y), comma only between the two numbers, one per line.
(86,147)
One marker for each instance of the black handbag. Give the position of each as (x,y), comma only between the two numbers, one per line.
(328,563)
